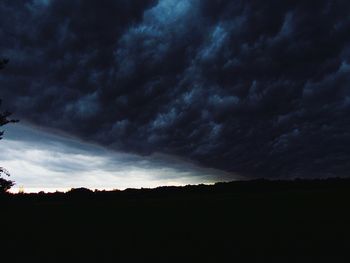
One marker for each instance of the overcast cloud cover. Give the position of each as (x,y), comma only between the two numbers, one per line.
(258,88)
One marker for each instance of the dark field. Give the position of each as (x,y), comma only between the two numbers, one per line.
(256,221)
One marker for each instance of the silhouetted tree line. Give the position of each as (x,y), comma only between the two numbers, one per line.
(5,184)
(260,187)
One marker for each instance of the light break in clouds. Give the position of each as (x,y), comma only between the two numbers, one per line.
(40,161)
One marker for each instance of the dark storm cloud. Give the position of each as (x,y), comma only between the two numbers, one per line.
(257,88)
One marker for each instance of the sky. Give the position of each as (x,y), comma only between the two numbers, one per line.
(44,161)
(254,89)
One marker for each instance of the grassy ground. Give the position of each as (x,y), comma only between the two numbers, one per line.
(260,221)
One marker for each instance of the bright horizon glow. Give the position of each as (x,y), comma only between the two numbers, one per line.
(40,161)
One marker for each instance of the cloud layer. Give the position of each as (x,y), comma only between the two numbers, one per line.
(40,161)
(256,88)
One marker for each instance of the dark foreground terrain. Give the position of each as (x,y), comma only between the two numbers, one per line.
(255,221)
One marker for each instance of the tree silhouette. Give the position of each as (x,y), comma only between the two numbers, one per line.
(5,185)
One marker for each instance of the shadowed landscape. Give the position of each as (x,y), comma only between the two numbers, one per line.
(224,123)
(249,221)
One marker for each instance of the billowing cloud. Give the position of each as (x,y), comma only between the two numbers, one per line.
(256,88)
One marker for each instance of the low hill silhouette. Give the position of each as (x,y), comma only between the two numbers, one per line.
(246,221)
